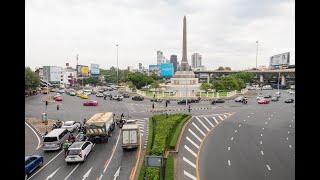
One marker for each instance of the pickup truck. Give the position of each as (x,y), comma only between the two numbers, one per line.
(130,136)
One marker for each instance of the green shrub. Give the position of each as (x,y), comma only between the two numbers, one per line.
(177,132)
(142,172)
(169,169)
(152,173)
(150,135)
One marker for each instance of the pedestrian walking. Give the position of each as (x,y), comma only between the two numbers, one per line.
(58,107)
(152,105)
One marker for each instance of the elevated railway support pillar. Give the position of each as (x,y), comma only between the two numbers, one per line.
(261,78)
(283,80)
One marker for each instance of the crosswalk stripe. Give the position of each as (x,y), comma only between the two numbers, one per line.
(225,116)
(194,134)
(215,120)
(189,162)
(220,118)
(189,175)
(198,129)
(202,124)
(187,148)
(208,122)
(196,145)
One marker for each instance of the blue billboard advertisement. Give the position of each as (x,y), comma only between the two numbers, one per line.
(94,69)
(154,67)
(166,70)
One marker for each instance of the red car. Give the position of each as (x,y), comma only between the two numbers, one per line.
(57,98)
(263,101)
(91,103)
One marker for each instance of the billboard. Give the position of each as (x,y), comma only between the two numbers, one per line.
(83,71)
(94,69)
(280,59)
(166,70)
(154,67)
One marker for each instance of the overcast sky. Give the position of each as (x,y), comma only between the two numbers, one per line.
(224,32)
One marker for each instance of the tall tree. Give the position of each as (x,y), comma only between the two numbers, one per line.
(31,80)
(205,86)
(220,68)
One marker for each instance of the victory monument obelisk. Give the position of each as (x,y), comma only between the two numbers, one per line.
(184,82)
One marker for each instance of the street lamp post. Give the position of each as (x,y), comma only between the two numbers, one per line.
(257,42)
(117,66)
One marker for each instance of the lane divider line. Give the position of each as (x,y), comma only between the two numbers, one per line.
(189,162)
(114,148)
(208,122)
(198,129)
(189,175)
(196,145)
(72,171)
(202,124)
(194,134)
(190,151)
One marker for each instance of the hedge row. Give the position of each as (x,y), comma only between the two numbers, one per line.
(169,171)
(152,173)
(150,135)
(174,138)
(142,172)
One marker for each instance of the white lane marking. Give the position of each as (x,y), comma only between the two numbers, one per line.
(190,151)
(86,175)
(290,125)
(189,175)
(198,129)
(220,118)
(72,171)
(252,113)
(189,162)
(208,121)
(261,142)
(117,173)
(100,177)
(261,135)
(52,174)
(244,120)
(269,118)
(229,148)
(225,116)
(262,153)
(248,116)
(215,120)
(288,132)
(231,138)
(46,164)
(239,125)
(196,145)
(202,124)
(266,122)
(229,162)
(235,131)
(39,141)
(114,149)
(268,167)
(290,146)
(263,128)
(292,120)
(287,138)
(194,134)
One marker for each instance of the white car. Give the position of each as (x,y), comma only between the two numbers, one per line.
(260,97)
(71,125)
(99,95)
(79,151)
(291,92)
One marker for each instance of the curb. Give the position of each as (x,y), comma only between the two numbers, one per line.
(36,130)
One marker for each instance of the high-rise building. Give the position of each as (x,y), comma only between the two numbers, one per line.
(140,66)
(196,60)
(160,57)
(174,61)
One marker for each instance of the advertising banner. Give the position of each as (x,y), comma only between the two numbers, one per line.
(154,67)
(280,59)
(166,70)
(83,71)
(94,69)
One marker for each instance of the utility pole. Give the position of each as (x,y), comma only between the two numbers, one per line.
(257,42)
(117,66)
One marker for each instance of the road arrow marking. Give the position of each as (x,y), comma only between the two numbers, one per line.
(54,172)
(86,175)
(117,173)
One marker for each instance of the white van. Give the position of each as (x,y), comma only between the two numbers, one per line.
(54,139)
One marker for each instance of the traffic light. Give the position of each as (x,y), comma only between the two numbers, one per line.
(189,108)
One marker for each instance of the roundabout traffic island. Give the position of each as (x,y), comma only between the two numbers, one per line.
(40,126)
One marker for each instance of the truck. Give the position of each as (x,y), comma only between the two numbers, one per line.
(99,127)
(130,135)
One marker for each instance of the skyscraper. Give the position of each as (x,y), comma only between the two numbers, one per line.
(196,60)
(174,61)
(159,57)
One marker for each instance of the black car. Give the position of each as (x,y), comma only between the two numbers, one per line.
(183,101)
(267,96)
(217,101)
(137,98)
(156,100)
(126,95)
(289,101)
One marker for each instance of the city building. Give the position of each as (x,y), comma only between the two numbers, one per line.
(160,58)
(53,74)
(174,61)
(140,67)
(39,72)
(196,60)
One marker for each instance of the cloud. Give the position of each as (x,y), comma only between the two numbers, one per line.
(223,32)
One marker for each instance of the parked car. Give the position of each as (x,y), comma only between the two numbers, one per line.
(117,97)
(289,101)
(91,103)
(79,151)
(126,95)
(183,101)
(217,101)
(263,101)
(137,98)
(32,163)
(275,98)
(71,125)
(99,95)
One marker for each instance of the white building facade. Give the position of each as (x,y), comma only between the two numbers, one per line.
(196,60)
(160,58)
